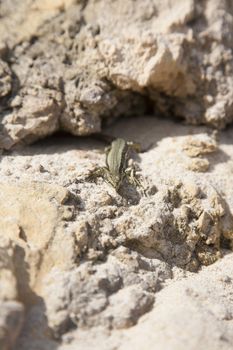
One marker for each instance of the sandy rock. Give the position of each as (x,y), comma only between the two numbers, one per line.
(8,280)
(12,311)
(5,79)
(190,313)
(189,217)
(88,260)
(199,144)
(133,301)
(90,295)
(82,266)
(114,59)
(205,298)
(11,321)
(32,215)
(37,127)
(198,164)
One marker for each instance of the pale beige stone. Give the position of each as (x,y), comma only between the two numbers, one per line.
(112,59)
(88,260)
(82,266)
(33,215)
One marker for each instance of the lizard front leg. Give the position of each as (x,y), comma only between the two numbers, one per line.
(106,176)
(133,178)
(98,172)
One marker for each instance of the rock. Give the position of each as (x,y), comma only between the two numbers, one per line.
(202,296)
(128,305)
(199,144)
(90,295)
(137,57)
(12,311)
(193,312)
(82,258)
(176,224)
(81,265)
(38,117)
(11,321)
(5,79)
(32,215)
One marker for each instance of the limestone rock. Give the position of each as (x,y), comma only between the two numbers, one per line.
(113,59)
(85,259)
(11,321)
(182,224)
(190,313)
(5,79)
(12,311)
(210,326)
(32,215)
(91,295)
(81,265)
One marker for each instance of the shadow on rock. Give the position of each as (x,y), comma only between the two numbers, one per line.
(35,333)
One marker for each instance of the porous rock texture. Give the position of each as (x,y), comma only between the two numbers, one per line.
(72,64)
(81,265)
(86,267)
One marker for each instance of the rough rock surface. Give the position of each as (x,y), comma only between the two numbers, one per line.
(69,64)
(12,311)
(84,265)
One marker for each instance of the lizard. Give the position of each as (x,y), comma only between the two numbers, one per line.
(117,166)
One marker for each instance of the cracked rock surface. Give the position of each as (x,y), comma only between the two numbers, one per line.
(73,65)
(82,264)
